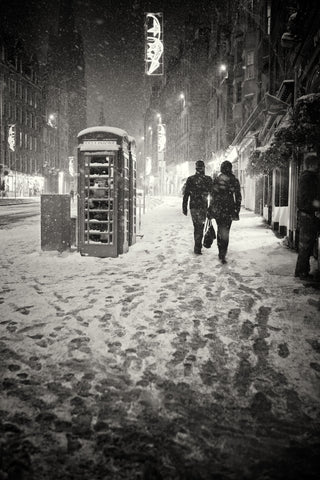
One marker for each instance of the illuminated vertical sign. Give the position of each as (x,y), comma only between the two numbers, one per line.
(161,137)
(12,137)
(154,44)
(71,166)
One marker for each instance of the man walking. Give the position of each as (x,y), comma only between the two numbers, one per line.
(197,187)
(308,203)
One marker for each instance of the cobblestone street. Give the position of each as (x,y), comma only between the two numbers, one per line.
(158,364)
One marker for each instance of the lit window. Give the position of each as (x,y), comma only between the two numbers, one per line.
(249,72)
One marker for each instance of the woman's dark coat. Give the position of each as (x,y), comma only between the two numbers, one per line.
(225,198)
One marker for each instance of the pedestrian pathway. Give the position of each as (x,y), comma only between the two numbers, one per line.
(159,363)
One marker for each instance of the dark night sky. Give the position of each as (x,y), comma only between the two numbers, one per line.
(113,34)
(115,56)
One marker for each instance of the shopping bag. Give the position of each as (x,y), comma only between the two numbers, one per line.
(209,234)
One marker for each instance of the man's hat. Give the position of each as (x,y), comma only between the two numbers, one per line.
(200,164)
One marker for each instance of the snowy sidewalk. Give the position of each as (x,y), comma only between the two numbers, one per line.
(159,360)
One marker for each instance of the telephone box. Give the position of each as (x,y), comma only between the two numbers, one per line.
(132,191)
(103,207)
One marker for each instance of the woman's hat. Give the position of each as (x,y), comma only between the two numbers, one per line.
(226,167)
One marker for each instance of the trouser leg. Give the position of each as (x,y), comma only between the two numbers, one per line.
(307,236)
(198,219)
(223,236)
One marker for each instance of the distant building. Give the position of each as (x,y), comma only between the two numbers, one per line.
(43,103)
(220,126)
(20,119)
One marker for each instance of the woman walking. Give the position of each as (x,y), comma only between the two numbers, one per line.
(225,205)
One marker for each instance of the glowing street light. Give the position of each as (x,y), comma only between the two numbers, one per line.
(181,96)
(222,68)
(52,120)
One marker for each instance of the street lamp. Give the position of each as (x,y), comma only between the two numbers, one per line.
(223,71)
(52,120)
(183,99)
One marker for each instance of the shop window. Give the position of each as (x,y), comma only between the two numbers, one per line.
(281,187)
(284,191)
(267,190)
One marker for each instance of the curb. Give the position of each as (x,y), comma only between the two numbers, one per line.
(18,201)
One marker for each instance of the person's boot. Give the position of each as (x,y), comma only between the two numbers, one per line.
(222,258)
(308,277)
(197,250)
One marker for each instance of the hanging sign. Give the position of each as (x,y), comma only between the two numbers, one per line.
(148,166)
(154,43)
(161,137)
(12,137)
(71,166)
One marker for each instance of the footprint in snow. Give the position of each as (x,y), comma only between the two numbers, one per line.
(24,310)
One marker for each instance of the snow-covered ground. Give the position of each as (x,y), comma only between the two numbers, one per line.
(158,360)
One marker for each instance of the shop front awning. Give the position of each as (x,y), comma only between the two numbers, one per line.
(270,109)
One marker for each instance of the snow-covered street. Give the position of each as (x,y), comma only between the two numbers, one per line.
(158,364)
